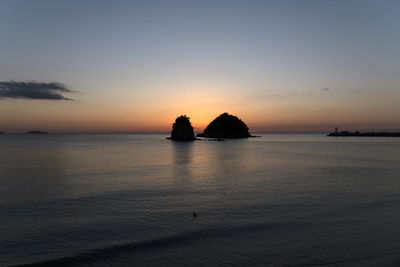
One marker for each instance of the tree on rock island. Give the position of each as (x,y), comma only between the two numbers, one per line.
(182,129)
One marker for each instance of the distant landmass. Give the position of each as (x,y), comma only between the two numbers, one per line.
(182,129)
(365,134)
(226,126)
(36,132)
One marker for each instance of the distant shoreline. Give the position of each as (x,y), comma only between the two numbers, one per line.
(365,134)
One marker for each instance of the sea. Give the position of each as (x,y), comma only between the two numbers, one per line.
(143,200)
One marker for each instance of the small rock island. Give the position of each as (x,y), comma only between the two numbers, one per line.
(36,132)
(226,126)
(182,129)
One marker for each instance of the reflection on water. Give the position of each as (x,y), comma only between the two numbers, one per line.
(183,152)
(228,156)
(183,160)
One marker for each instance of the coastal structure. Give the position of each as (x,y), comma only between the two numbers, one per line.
(363,134)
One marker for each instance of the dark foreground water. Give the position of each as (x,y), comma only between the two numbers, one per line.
(123,200)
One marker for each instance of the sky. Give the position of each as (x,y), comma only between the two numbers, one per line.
(134,66)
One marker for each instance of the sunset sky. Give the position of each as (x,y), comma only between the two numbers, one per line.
(134,66)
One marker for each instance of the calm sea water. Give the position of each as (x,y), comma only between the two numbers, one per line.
(123,200)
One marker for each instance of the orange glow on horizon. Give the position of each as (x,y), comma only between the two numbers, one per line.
(125,113)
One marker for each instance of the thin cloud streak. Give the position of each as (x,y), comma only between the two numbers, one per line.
(267,97)
(33,90)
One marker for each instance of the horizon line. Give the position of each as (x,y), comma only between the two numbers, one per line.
(169,132)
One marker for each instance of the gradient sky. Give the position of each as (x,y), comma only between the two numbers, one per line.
(137,65)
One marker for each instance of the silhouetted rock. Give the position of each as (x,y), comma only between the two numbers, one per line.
(182,130)
(36,132)
(1,132)
(226,126)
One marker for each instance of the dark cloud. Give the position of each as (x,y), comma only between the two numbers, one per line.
(33,90)
(325,89)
